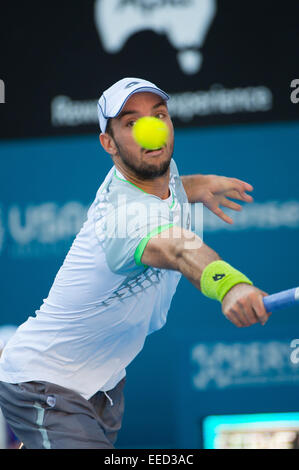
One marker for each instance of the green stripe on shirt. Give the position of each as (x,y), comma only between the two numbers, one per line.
(141,247)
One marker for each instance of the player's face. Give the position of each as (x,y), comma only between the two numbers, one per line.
(146,164)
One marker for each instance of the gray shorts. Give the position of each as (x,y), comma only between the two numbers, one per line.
(46,416)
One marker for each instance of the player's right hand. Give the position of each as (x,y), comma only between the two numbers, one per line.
(243,305)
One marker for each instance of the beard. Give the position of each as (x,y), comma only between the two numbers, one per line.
(144,170)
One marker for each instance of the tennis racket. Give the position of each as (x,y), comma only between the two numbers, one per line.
(283,299)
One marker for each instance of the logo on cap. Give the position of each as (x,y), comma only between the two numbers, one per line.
(131,84)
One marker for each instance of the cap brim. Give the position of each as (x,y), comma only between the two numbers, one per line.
(115,112)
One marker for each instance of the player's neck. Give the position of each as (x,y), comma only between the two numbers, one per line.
(158,186)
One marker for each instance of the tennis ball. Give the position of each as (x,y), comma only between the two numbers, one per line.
(150,132)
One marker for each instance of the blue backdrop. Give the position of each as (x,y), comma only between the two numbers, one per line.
(199,364)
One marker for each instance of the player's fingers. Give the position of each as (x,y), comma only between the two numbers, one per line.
(241,196)
(231,204)
(233,317)
(245,313)
(246,186)
(245,197)
(236,314)
(248,311)
(264,294)
(240,187)
(222,215)
(259,308)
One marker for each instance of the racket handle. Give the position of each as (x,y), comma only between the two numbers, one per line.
(285,298)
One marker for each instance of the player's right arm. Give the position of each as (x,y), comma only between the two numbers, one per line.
(181,250)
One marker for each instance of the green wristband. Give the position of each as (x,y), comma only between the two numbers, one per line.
(218,278)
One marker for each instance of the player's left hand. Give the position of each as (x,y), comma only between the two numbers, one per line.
(214,191)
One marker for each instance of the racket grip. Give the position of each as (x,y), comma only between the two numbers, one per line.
(285,298)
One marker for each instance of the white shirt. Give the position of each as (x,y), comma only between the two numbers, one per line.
(103,301)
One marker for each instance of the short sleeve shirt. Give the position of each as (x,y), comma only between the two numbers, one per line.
(104,301)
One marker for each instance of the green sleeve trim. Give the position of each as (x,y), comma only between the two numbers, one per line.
(141,247)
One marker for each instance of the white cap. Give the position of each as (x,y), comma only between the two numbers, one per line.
(114,98)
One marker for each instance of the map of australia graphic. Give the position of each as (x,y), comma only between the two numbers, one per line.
(184,22)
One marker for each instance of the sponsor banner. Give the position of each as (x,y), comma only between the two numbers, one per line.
(224,365)
(39,230)
(183,107)
(48,228)
(267,215)
(217,60)
(245,370)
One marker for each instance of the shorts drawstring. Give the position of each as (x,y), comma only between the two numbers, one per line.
(109,398)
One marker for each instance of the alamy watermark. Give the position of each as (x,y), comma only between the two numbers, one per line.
(2,91)
(134,219)
(295,93)
(295,354)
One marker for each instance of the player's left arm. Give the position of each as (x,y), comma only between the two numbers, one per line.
(215,191)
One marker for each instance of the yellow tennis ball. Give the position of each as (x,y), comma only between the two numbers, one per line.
(150,132)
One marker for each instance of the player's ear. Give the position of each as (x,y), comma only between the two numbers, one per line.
(108,143)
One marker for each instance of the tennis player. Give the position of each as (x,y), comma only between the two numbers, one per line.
(63,372)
